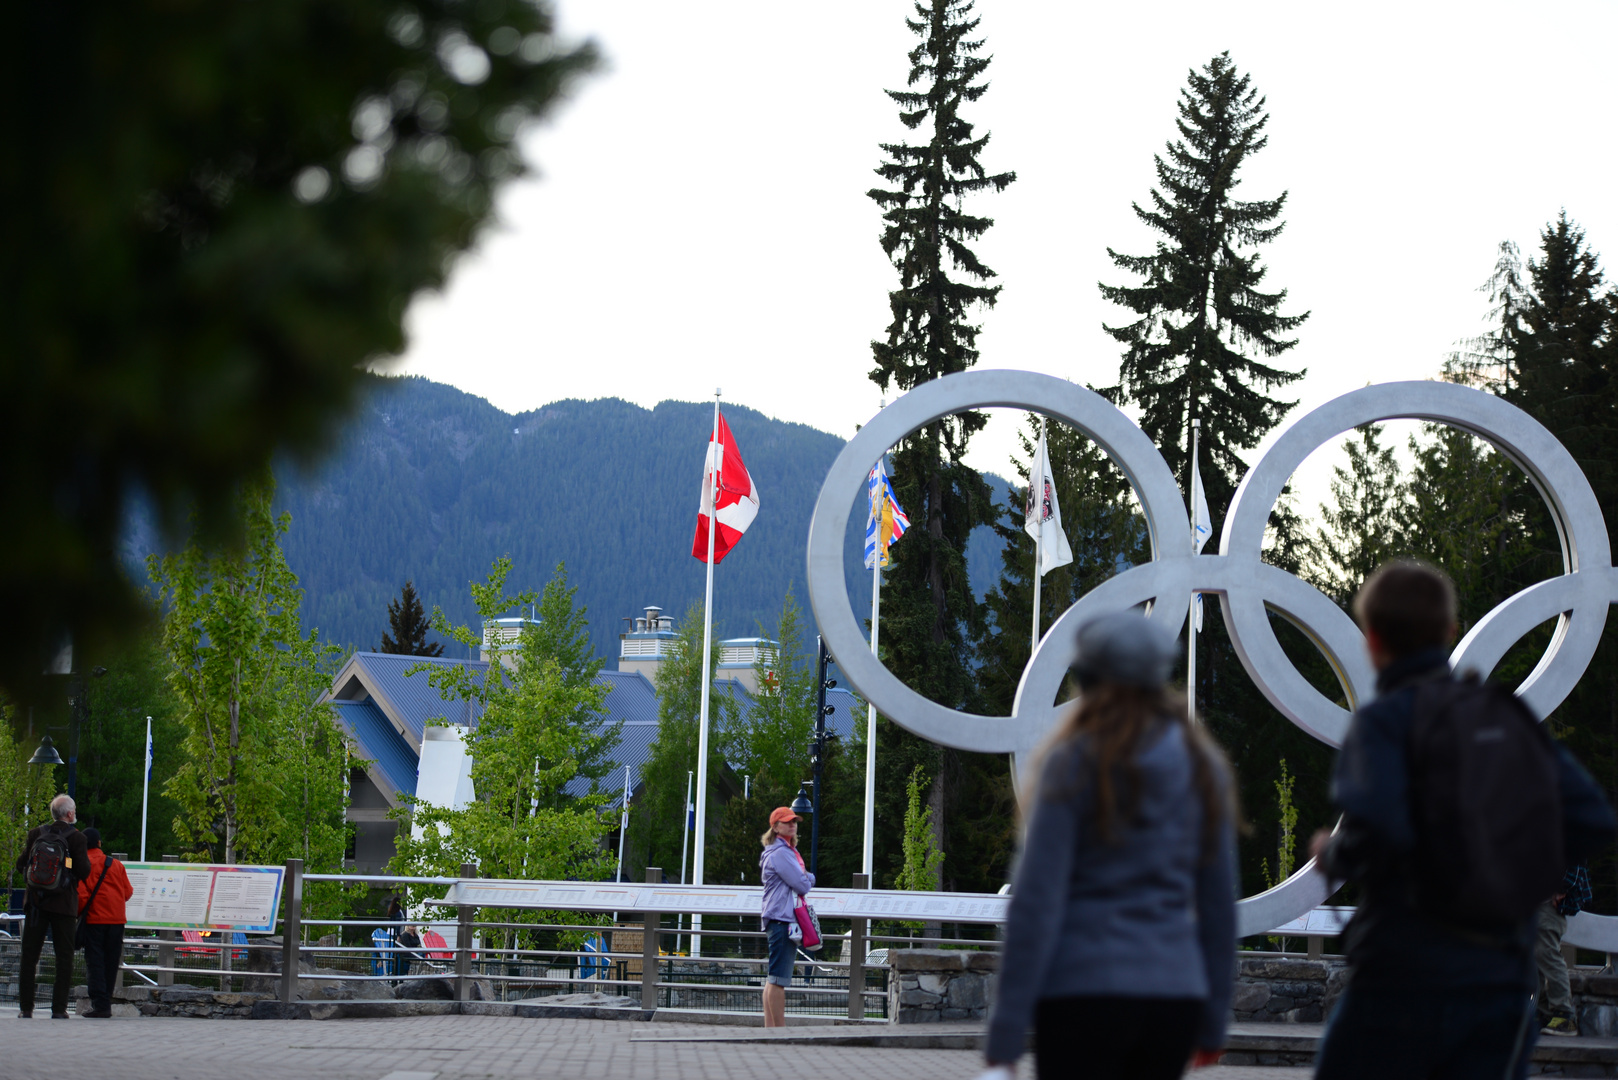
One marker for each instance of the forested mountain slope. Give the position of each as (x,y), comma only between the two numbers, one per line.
(430,483)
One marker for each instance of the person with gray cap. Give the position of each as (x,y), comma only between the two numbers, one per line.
(1121,935)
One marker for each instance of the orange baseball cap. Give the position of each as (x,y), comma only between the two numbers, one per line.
(782,813)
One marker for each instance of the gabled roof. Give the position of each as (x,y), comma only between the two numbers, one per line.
(393,762)
(408,701)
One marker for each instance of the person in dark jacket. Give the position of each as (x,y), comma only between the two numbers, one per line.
(1426,995)
(102,896)
(1120,940)
(51,912)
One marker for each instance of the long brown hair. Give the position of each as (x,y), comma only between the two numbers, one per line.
(1116,720)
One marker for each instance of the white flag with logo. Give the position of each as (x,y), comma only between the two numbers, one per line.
(1201,531)
(1043,519)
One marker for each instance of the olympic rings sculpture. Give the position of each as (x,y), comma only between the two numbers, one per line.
(1248,588)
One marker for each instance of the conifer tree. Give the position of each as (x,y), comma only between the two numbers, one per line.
(929,611)
(1104,530)
(1205,329)
(1360,529)
(408,621)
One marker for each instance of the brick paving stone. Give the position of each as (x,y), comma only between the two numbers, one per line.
(453,1048)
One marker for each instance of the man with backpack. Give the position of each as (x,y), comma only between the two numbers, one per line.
(102,897)
(54,861)
(1460,815)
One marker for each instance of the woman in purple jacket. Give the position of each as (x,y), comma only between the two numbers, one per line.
(781,869)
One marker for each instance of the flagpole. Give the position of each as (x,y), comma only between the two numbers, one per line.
(623,826)
(867,859)
(707,681)
(1036,491)
(146,789)
(1191,615)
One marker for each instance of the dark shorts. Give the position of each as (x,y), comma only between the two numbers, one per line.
(783,951)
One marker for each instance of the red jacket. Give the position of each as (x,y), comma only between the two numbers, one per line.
(109,905)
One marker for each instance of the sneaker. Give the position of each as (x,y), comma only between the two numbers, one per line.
(59,1015)
(97,1014)
(25,1014)
(1560,1025)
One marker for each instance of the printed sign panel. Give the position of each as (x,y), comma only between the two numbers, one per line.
(191,896)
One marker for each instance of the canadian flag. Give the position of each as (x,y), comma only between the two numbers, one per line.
(738,497)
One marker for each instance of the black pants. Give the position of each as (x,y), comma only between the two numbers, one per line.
(103,952)
(34,928)
(1102,1038)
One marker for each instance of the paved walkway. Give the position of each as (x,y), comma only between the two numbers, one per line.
(453,1047)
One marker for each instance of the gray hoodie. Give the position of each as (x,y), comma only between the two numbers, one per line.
(1144,916)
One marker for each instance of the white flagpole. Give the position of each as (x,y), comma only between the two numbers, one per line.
(1036,494)
(623,826)
(868,858)
(146,789)
(707,683)
(1191,615)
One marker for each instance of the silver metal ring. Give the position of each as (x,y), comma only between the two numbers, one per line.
(1250,589)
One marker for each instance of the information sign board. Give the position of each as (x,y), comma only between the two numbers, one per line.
(197,896)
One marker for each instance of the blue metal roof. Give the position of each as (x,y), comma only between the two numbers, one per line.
(413,699)
(393,762)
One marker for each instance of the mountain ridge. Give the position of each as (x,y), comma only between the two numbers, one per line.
(429,483)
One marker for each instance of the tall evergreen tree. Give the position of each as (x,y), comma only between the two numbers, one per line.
(1360,526)
(1564,353)
(1203,345)
(1205,328)
(928,607)
(407,620)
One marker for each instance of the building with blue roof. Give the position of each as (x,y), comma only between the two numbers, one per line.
(386,711)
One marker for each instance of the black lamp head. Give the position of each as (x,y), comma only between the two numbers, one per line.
(802,805)
(46,754)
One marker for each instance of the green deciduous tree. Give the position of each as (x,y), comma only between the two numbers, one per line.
(263,770)
(219,220)
(922,858)
(771,743)
(538,750)
(408,625)
(25,790)
(1205,329)
(929,612)
(657,821)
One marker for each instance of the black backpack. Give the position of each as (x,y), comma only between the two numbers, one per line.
(49,868)
(1485,803)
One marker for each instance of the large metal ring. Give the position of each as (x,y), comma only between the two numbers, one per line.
(1250,590)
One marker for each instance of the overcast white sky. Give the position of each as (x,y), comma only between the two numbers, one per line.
(698,217)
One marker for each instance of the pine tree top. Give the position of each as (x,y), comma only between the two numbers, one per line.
(926,230)
(1206,324)
(408,623)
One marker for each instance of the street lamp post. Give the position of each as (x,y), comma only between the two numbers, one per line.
(47,754)
(817,747)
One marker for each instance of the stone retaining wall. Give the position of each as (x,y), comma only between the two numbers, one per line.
(1279,990)
(934,985)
